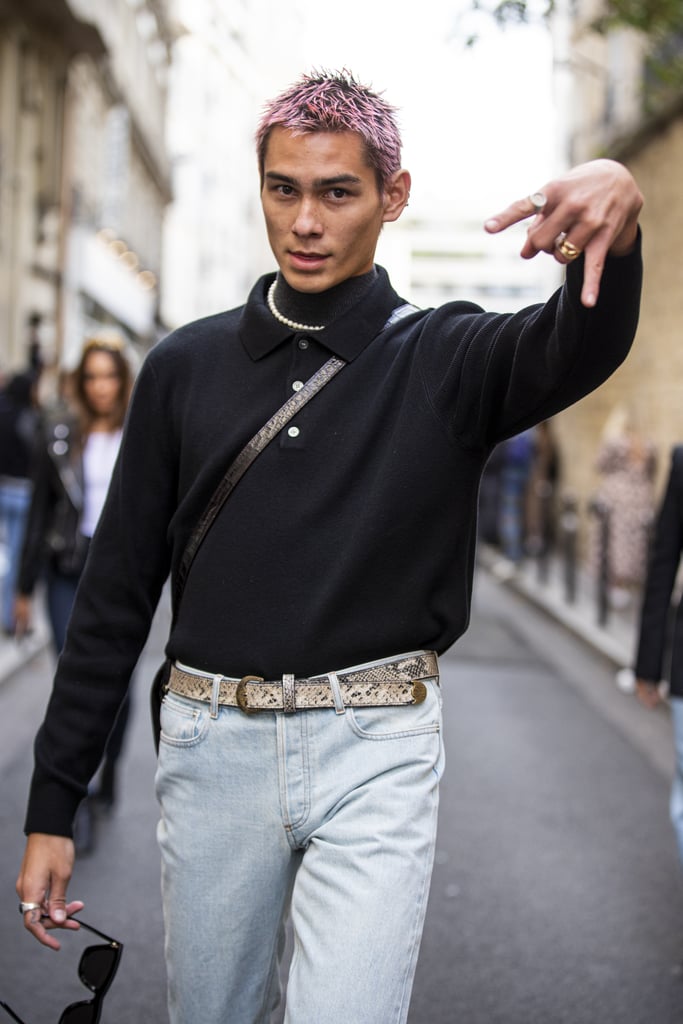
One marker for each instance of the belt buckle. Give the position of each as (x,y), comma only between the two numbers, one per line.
(241,694)
(419,691)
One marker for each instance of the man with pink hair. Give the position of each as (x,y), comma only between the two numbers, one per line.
(300,749)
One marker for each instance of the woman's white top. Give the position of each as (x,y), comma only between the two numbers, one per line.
(99,456)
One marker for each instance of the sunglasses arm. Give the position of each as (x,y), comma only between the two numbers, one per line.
(10,1011)
(95,931)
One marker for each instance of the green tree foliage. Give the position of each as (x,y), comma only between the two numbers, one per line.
(654,17)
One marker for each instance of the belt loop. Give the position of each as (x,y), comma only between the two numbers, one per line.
(215,694)
(288,693)
(336,693)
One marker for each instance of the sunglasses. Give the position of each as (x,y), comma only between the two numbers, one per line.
(96,970)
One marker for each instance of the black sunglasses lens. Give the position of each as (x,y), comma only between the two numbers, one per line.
(97,967)
(81,1013)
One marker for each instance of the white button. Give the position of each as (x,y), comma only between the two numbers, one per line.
(303,342)
(297,385)
(293,431)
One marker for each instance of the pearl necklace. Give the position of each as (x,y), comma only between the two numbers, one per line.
(283,319)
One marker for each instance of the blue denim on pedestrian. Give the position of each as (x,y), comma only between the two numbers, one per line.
(676,803)
(333,812)
(15,501)
(60,596)
(513,485)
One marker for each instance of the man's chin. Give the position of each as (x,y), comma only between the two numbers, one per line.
(309,282)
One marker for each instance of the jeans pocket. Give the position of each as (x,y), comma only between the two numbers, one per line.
(389,722)
(183,722)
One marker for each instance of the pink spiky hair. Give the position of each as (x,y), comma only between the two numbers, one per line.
(334,101)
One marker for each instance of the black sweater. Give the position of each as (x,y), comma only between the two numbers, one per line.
(350,541)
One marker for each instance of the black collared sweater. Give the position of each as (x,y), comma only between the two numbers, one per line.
(352,536)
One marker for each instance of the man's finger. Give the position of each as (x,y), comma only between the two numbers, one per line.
(34,922)
(521,209)
(594,264)
(57,905)
(591,285)
(37,921)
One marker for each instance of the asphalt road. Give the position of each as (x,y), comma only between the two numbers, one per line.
(556,894)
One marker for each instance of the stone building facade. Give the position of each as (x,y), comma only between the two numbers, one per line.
(84,176)
(611,118)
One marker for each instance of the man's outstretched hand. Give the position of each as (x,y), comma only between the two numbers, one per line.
(592,209)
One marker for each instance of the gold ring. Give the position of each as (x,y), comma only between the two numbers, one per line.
(566,249)
(538,201)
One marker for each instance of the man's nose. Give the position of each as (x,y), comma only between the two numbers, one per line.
(308,221)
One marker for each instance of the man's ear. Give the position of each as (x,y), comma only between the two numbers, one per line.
(396,195)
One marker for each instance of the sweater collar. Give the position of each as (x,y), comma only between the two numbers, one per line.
(345,337)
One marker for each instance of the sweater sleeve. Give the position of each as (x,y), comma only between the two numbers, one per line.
(127,565)
(666,551)
(507,372)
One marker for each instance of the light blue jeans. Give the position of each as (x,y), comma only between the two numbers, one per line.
(328,816)
(676,803)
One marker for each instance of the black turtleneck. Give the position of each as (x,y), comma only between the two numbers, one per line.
(321,307)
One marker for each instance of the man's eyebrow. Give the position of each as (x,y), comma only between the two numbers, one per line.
(337,179)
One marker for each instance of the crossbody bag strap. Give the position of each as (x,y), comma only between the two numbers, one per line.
(241,464)
(255,446)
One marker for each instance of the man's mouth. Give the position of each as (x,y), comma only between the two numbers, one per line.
(308,259)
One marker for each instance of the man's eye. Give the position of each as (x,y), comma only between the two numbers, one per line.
(338,193)
(284,190)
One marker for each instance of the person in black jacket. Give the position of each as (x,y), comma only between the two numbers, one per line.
(655,622)
(70,479)
(338,569)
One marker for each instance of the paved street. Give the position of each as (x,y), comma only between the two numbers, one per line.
(556,894)
(556,897)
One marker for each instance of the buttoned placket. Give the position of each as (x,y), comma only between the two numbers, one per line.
(307,356)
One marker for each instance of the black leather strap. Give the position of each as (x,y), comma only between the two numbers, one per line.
(254,447)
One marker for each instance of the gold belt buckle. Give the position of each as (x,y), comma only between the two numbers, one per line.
(419,691)
(241,694)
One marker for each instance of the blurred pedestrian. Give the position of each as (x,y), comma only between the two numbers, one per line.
(542,491)
(339,565)
(70,482)
(488,523)
(515,474)
(626,463)
(661,627)
(19,421)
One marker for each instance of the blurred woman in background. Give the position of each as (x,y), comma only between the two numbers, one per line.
(72,473)
(626,464)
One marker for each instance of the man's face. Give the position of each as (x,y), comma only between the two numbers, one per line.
(322,206)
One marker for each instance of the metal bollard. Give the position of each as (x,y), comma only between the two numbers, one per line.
(600,510)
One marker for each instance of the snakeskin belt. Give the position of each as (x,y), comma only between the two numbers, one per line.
(391,682)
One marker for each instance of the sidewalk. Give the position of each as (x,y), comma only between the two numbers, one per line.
(616,639)
(14,654)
